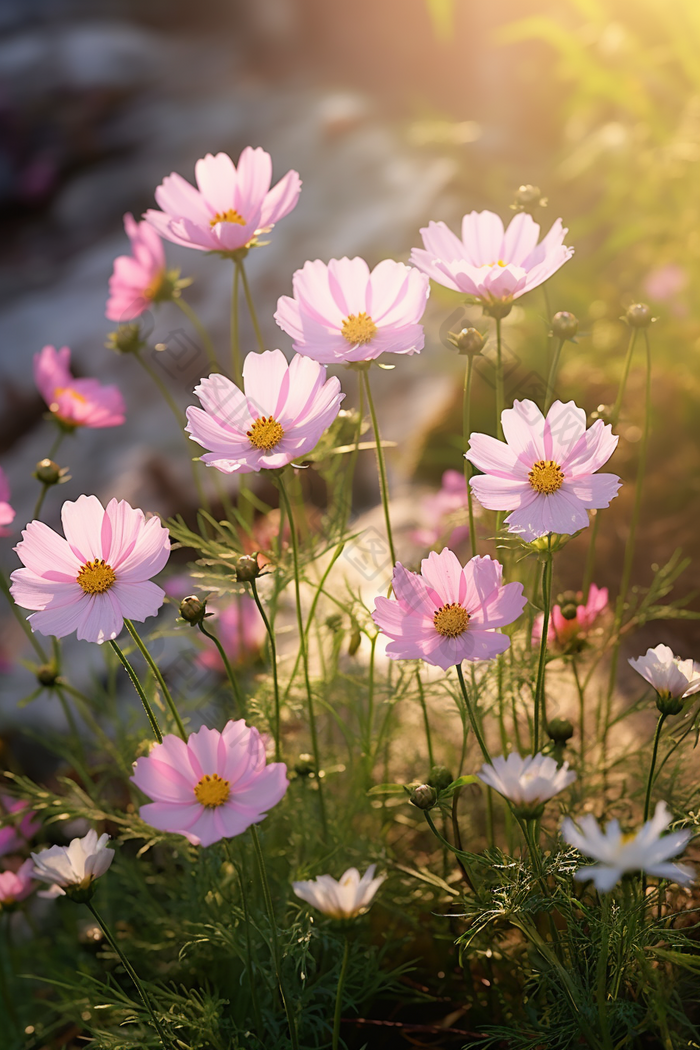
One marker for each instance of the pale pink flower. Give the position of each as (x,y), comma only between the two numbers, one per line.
(212,787)
(544,471)
(441,509)
(73,868)
(281,415)
(99,574)
(13,838)
(666,282)
(494,265)
(75,402)
(527,782)
(448,613)
(342,312)
(561,630)
(137,278)
(344,898)
(7,513)
(667,674)
(16,885)
(231,207)
(241,631)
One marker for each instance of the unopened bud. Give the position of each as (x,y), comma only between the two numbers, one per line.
(193,609)
(126,339)
(334,622)
(568,604)
(46,675)
(48,472)
(639,315)
(564,325)
(247,568)
(423,797)
(355,640)
(469,341)
(560,730)
(440,778)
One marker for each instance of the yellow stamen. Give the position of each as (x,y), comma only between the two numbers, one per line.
(212,790)
(60,390)
(228,216)
(359,329)
(546,476)
(451,620)
(96,577)
(265,433)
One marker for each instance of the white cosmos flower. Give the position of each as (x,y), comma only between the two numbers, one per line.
(343,899)
(645,850)
(670,676)
(527,782)
(74,867)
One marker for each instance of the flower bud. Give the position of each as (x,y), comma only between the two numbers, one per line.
(48,472)
(126,339)
(46,675)
(560,730)
(355,640)
(423,797)
(334,622)
(564,325)
(568,604)
(669,705)
(247,568)
(440,778)
(193,609)
(638,315)
(469,341)
(497,308)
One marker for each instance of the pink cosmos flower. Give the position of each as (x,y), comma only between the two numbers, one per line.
(212,787)
(137,278)
(99,574)
(241,631)
(7,513)
(448,613)
(667,673)
(562,630)
(15,837)
(442,509)
(231,207)
(75,402)
(544,471)
(16,885)
(281,415)
(342,312)
(494,265)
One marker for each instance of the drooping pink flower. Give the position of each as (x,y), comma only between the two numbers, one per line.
(95,577)
(494,265)
(281,415)
(671,677)
(7,513)
(342,312)
(13,838)
(137,278)
(563,629)
(448,613)
(544,471)
(16,885)
(75,402)
(442,509)
(232,206)
(241,631)
(212,787)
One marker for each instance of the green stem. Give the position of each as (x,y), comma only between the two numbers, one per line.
(137,686)
(466,429)
(339,995)
(652,765)
(551,379)
(426,723)
(145,999)
(273,663)
(203,334)
(380,465)
(21,620)
(472,716)
(235,336)
(580,689)
(44,487)
(304,652)
(499,380)
(158,677)
(251,307)
(237,695)
(350,472)
(275,942)
(240,872)
(541,667)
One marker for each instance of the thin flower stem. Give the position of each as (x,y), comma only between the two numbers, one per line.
(21,620)
(235,335)
(203,334)
(472,716)
(652,765)
(384,488)
(500,400)
(248,941)
(581,690)
(542,663)
(251,307)
(57,442)
(275,942)
(339,995)
(44,487)
(350,472)
(466,429)
(273,663)
(137,686)
(158,677)
(237,694)
(426,723)
(370,705)
(145,998)
(304,653)
(551,379)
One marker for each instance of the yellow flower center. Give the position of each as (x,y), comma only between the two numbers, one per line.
(359,329)
(499,263)
(265,433)
(451,620)
(546,476)
(60,390)
(228,216)
(96,577)
(212,790)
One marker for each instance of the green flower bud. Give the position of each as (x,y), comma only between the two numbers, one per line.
(247,568)
(355,640)
(48,472)
(126,339)
(440,778)
(560,730)
(193,609)
(564,325)
(469,341)
(638,315)
(423,797)
(46,675)
(568,604)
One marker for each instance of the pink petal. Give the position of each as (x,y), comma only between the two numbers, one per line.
(161,782)
(497,493)
(216,178)
(348,280)
(138,601)
(281,199)
(149,554)
(209,750)
(82,525)
(180,200)
(254,174)
(63,620)
(520,238)
(443,572)
(523,428)
(482,235)
(564,428)
(171,816)
(265,376)
(47,554)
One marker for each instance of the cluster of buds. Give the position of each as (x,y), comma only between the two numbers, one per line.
(426,796)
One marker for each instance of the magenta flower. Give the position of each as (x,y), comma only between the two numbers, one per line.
(137,278)
(342,312)
(241,631)
(544,471)
(7,513)
(99,574)
(231,207)
(16,885)
(75,402)
(212,787)
(281,415)
(448,613)
(494,265)
(444,509)
(14,838)
(563,629)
